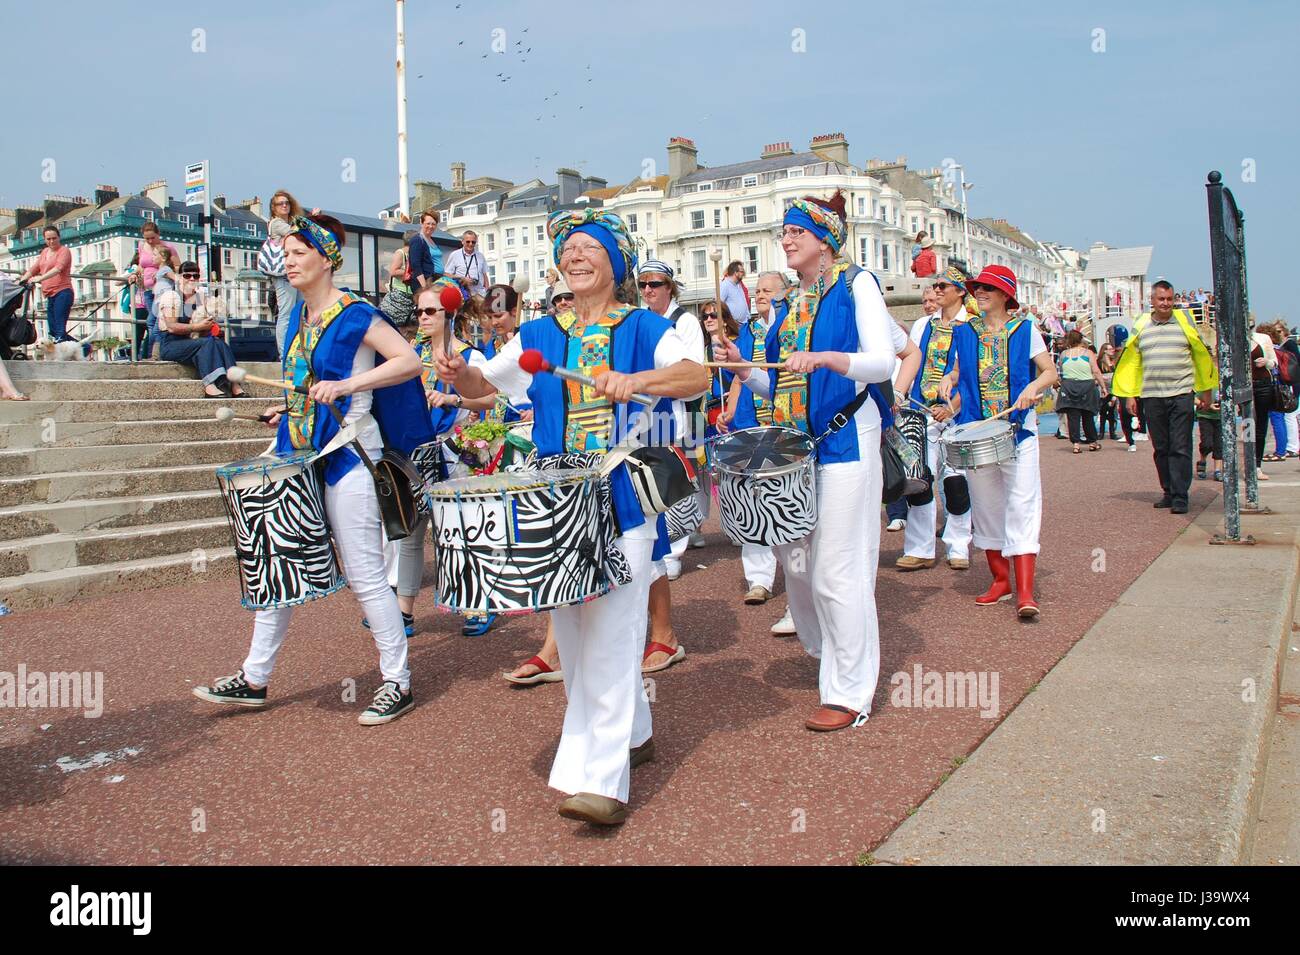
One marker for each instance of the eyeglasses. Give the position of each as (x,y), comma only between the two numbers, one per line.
(428,311)
(280,202)
(792,232)
(471,242)
(651,284)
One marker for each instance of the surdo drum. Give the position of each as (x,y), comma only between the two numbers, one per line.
(767,485)
(979,444)
(276,510)
(521,541)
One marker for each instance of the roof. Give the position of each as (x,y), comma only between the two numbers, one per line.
(709,173)
(1118,263)
(104,267)
(1008,231)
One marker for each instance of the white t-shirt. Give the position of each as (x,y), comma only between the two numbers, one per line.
(691,332)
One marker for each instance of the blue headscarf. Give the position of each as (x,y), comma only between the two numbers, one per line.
(605,227)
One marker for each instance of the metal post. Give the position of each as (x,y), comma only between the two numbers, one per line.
(1252,474)
(403,190)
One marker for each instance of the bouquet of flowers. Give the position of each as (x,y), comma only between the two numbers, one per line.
(479,445)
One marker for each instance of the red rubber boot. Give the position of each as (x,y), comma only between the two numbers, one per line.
(1001,587)
(1026,605)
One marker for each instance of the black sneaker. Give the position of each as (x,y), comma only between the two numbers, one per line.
(1164,502)
(389,703)
(1179,507)
(232,689)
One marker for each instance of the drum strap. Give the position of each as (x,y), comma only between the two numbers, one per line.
(842,417)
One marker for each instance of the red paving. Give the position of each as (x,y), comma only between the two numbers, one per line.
(736,779)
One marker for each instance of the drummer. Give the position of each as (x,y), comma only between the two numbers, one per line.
(446,410)
(626,350)
(933,336)
(502,306)
(997,363)
(831,368)
(335,343)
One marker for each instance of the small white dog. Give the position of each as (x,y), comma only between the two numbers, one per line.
(62,351)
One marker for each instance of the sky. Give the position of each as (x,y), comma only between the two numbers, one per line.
(1077,123)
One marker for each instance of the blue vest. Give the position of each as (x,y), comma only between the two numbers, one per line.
(1020,372)
(834,328)
(746,416)
(400,410)
(632,346)
(444,418)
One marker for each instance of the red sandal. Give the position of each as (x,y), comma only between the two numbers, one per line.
(544,675)
(675,655)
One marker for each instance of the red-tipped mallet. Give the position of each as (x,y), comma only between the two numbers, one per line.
(450,299)
(532,362)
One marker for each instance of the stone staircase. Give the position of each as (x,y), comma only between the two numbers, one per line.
(107,478)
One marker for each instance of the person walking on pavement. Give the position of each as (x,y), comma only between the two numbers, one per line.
(1163,368)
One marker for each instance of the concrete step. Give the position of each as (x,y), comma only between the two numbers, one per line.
(41,461)
(19,492)
(87,548)
(71,517)
(119,370)
(54,389)
(82,434)
(124,409)
(58,587)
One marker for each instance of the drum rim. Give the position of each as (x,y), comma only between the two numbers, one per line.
(951,435)
(809,461)
(448,491)
(268,461)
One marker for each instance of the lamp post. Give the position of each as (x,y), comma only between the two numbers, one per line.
(403,195)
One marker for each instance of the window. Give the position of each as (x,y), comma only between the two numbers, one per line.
(915,227)
(649,222)
(794,172)
(252,228)
(697,219)
(862,206)
(932,235)
(511,270)
(749,214)
(875,244)
(481,209)
(541,269)
(875,209)
(491,241)
(750,254)
(541,233)
(184,220)
(492,274)
(523,235)
(749,181)
(717,218)
(631,222)
(225,257)
(884,258)
(510,238)
(148,215)
(864,252)
(81,220)
(705,187)
(698,265)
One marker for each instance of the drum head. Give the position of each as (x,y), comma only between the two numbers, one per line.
(506,481)
(762,449)
(978,430)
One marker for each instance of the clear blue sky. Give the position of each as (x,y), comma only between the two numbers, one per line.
(1069,144)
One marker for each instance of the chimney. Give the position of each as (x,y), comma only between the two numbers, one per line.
(773,150)
(25,216)
(458,177)
(105,195)
(427,195)
(56,207)
(832,146)
(253,206)
(594,182)
(219,203)
(681,157)
(570,186)
(156,191)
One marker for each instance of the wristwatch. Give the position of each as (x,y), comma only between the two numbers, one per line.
(460,402)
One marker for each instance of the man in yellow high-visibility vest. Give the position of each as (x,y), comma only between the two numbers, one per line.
(1167,367)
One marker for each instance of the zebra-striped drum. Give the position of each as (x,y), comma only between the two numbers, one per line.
(521,541)
(767,485)
(429,460)
(276,510)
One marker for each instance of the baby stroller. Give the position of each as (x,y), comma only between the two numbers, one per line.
(16,331)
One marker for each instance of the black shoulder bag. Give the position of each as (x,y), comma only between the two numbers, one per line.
(893,470)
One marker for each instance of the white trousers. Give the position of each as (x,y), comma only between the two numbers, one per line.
(1007,503)
(353,512)
(600,644)
(759,562)
(830,580)
(1293,431)
(918,536)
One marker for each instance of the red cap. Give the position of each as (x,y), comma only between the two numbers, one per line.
(1001,278)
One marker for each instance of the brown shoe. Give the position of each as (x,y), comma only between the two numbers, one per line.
(597,810)
(758,595)
(907,562)
(959,563)
(826,719)
(643,753)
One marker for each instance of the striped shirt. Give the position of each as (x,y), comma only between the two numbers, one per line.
(1167,368)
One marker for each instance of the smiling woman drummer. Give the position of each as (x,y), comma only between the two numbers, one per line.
(334,345)
(998,363)
(626,351)
(836,341)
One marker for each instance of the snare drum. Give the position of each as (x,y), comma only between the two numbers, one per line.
(521,541)
(767,485)
(276,510)
(979,444)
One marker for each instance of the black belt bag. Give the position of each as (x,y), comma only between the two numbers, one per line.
(394,475)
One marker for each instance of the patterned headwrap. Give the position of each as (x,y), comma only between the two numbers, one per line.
(953,276)
(656,267)
(321,239)
(821,222)
(605,227)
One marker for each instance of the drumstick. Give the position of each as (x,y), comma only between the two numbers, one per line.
(228,414)
(744,364)
(451,300)
(238,375)
(532,362)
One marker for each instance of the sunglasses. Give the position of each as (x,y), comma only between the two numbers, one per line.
(428,311)
(974,287)
(709,315)
(566,297)
(189,275)
(651,284)
(471,242)
(942,286)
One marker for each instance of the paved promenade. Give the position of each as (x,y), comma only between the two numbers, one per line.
(160,777)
